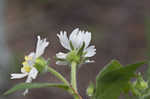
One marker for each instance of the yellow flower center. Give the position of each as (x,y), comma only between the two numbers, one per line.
(26,68)
(25,63)
(27,58)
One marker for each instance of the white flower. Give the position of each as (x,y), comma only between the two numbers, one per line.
(28,70)
(75,42)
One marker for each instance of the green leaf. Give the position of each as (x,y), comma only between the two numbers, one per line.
(113,65)
(114,79)
(23,86)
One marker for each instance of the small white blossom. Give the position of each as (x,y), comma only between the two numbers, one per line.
(76,40)
(28,70)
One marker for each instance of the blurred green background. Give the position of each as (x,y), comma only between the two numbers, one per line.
(118,32)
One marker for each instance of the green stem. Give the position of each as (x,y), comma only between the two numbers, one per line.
(73,75)
(58,75)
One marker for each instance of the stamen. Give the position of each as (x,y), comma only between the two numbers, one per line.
(27,58)
(26,68)
(24,63)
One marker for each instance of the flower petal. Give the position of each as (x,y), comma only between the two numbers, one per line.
(64,40)
(18,76)
(33,73)
(32,54)
(72,36)
(90,51)
(87,38)
(25,92)
(89,61)
(61,63)
(29,79)
(61,55)
(41,45)
(79,39)
(76,38)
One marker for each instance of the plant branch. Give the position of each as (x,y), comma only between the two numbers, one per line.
(58,75)
(76,93)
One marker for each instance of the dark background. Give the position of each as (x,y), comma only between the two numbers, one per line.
(118,32)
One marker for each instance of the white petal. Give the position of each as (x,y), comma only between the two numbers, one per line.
(41,45)
(31,63)
(61,55)
(76,37)
(39,40)
(33,73)
(23,71)
(29,79)
(90,51)
(32,54)
(79,39)
(87,38)
(89,61)
(18,76)
(25,92)
(61,63)
(64,39)
(72,36)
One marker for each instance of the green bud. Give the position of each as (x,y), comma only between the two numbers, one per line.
(144,85)
(41,64)
(90,90)
(141,84)
(72,56)
(135,91)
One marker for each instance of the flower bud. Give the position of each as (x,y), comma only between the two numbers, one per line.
(139,85)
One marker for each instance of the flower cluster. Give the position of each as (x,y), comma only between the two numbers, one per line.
(79,52)
(113,76)
(78,46)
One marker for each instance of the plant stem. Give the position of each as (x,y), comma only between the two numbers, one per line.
(58,75)
(74,80)
(76,94)
(73,75)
